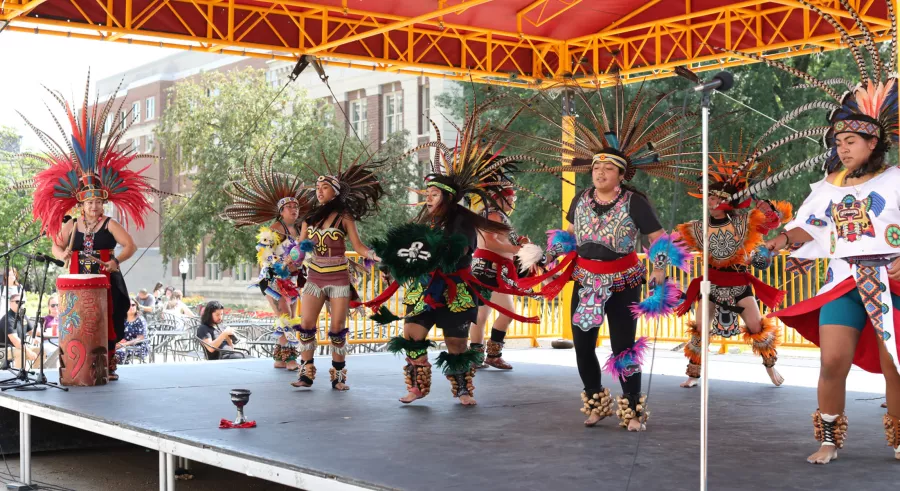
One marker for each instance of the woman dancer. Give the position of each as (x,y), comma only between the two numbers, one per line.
(279,200)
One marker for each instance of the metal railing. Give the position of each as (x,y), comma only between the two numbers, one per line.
(670,329)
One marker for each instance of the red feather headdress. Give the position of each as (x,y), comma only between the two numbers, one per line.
(88,166)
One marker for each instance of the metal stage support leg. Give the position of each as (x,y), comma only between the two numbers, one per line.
(162,471)
(24,483)
(25,448)
(170,472)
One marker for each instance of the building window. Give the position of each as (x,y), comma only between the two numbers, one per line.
(107,125)
(136,145)
(151,109)
(424,108)
(393,113)
(358,118)
(136,112)
(149,143)
(124,118)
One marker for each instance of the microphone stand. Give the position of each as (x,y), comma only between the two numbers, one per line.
(704,296)
(8,256)
(40,383)
(22,375)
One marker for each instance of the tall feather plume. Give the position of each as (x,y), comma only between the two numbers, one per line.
(846,38)
(868,39)
(81,154)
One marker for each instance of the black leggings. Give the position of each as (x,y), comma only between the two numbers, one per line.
(622,328)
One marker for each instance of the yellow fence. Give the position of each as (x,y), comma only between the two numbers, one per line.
(669,329)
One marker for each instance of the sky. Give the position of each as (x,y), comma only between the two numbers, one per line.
(28,61)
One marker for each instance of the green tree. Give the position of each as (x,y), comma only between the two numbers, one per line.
(214,123)
(16,203)
(770,92)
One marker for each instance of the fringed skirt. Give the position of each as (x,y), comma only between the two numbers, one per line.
(328,277)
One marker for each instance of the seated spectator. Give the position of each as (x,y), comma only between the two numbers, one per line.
(51,320)
(135,334)
(50,331)
(15,325)
(218,343)
(145,301)
(164,298)
(184,309)
(10,284)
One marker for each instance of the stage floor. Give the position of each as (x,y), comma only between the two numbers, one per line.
(525,433)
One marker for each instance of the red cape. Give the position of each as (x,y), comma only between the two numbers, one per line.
(804,317)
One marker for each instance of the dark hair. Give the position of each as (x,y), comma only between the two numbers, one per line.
(876,160)
(158,286)
(209,310)
(448,212)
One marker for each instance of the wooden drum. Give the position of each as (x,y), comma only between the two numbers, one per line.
(83,329)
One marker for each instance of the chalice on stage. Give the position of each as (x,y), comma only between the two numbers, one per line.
(240,398)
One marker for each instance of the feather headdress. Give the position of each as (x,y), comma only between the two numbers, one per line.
(88,165)
(867,106)
(261,192)
(634,135)
(355,183)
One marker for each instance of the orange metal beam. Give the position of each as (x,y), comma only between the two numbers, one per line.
(426,46)
(396,25)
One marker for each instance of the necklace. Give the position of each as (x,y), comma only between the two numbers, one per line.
(89,231)
(607,202)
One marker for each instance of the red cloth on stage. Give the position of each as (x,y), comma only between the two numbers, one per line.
(804,317)
(227,425)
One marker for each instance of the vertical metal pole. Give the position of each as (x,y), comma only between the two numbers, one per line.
(25,447)
(704,300)
(170,472)
(162,471)
(568,193)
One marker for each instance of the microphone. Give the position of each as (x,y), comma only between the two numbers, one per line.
(721,82)
(43,258)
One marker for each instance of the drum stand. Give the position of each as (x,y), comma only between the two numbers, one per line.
(40,382)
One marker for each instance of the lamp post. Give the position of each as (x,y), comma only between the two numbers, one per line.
(183,267)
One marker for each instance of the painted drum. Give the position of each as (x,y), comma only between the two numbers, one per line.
(83,329)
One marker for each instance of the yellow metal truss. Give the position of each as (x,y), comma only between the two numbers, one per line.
(643,50)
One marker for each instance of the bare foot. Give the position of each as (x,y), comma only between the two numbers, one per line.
(636,425)
(824,455)
(291,365)
(884,405)
(467,400)
(341,386)
(690,382)
(776,377)
(411,396)
(279,364)
(592,420)
(300,383)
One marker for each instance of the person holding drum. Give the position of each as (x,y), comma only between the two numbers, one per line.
(85,171)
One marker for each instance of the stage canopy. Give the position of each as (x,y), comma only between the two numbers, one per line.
(507,42)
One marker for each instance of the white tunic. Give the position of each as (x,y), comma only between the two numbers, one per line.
(854,222)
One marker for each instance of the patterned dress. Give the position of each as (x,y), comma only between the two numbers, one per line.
(133,330)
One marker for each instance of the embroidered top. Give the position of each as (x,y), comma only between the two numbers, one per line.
(733,239)
(851,221)
(607,232)
(329,242)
